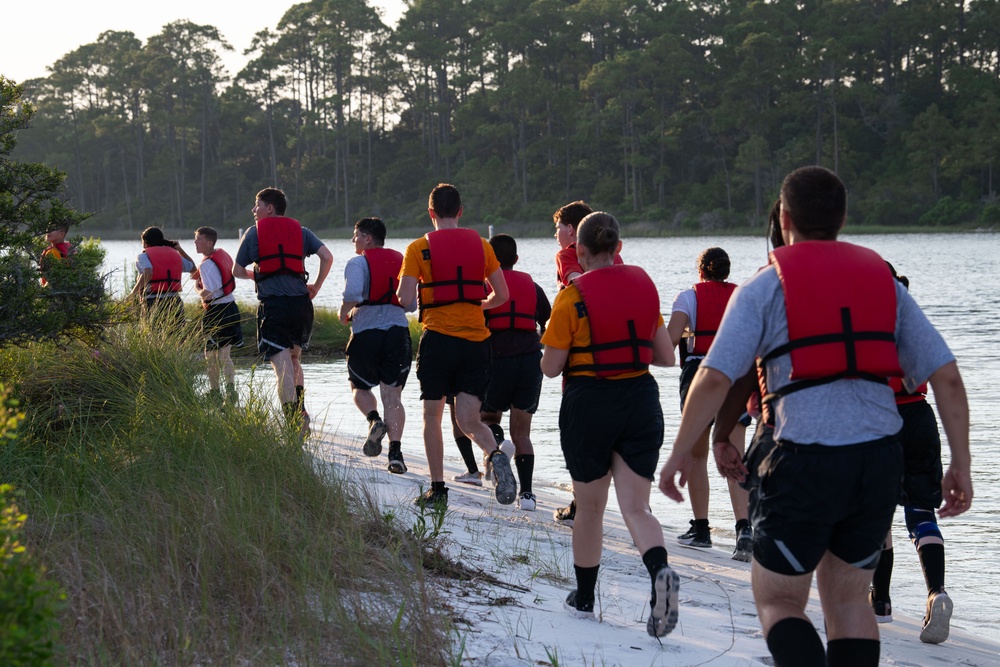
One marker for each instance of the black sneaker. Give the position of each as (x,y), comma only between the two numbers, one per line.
(882,608)
(504,484)
(430,498)
(579,608)
(565,515)
(396,464)
(376,431)
(697,537)
(744,545)
(663,602)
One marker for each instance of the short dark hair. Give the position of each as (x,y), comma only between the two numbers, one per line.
(153,237)
(274,197)
(713,263)
(445,201)
(774,225)
(374,227)
(598,232)
(571,214)
(208,233)
(816,200)
(505,248)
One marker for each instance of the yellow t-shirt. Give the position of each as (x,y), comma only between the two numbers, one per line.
(462,320)
(566,329)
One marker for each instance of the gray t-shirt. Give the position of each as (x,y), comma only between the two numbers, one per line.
(281,285)
(356,281)
(837,413)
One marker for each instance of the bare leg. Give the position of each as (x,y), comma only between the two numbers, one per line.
(698,488)
(588,527)
(520,432)
(633,499)
(285,373)
(212,369)
(226,364)
(467,414)
(433,440)
(738,496)
(395,415)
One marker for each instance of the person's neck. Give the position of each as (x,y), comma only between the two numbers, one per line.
(445,223)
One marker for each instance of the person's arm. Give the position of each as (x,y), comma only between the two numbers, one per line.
(727,458)
(500,293)
(953,410)
(543,309)
(708,390)
(140,284)
(553,361)
(325,264)
(407,292)
(663,348)
(177,246)
(676,325)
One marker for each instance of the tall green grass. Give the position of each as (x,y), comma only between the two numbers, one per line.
(182,533)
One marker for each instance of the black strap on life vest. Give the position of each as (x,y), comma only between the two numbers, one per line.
(633,342)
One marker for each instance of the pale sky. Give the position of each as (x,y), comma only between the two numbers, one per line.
(37,33)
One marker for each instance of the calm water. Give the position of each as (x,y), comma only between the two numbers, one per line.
(949,277)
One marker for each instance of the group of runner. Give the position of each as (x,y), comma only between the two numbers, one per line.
(821,327)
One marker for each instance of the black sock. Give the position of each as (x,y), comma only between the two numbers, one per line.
(465,449)
(742,523)
(586,582)
(851,652)
(525,464)
(701,523)
(300,396)
(794,641)
(932,563)
(654,559)
(497,431)
(437,487)
(372,416)
(293,411)
(882,576)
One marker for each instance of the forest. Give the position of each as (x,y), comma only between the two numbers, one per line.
(680,114)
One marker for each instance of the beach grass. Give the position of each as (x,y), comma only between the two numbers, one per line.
(187,533)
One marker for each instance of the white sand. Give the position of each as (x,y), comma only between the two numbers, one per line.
(521,621)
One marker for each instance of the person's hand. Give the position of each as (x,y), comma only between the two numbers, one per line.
(956,488)
(729,461)
(313,290)
(674,465)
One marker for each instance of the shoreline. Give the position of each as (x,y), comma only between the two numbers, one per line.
(518,567)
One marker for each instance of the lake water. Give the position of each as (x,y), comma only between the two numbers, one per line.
(950,277)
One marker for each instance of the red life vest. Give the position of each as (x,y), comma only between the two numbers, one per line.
(841,307)
(519,310)
(167,269)
(224,263)
(57,251)
(458,265)
(902,396)
(622,309)
(384,265)
(712,297)
(280,249)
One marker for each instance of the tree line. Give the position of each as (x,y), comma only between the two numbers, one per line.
(682,113)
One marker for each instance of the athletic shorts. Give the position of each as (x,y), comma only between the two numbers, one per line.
(221,326)
(282,323)
(922,470)
(813,498)
(451,365)
(515,382)
(168,309)
(688,371)
(379,356)
(598,417)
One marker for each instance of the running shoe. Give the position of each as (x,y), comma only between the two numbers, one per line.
(430,498)
(937,619)
(472,478)
(376,431)
(697,537)
(663,602)
(504,484)
(882,608)
(526,501)
(578,608)
(507,447)
(565,515)
(396,464)
(744,545)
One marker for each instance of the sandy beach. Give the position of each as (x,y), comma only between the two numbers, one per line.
(511,612)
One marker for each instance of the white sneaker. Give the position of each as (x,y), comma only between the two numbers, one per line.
(472,478)
(507,447)
(527,501)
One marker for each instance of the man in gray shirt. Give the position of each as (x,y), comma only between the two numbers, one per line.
(828,488)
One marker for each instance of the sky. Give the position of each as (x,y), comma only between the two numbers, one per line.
(39,32)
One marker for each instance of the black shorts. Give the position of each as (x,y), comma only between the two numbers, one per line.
(688,371)
(814,498)
(167,309)
(598,417)
(515,382)
(222,327)
(379,356)
(922,470)
(282,323)
(450,365)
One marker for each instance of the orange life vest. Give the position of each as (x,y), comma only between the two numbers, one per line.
(280,249)
(168,265)
(622,309)
(840,301)
(518,312)
(384,265)
(224,263)
(458,266)
(712,297)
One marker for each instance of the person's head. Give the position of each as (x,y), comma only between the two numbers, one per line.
(205,239)
(598,240)
(505,248)
(269,203)
(56,234)
(368,233)
(567,219)
(774,225)
(444,202)
(814,203)
(713,264)
(153,237)
(904,281)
